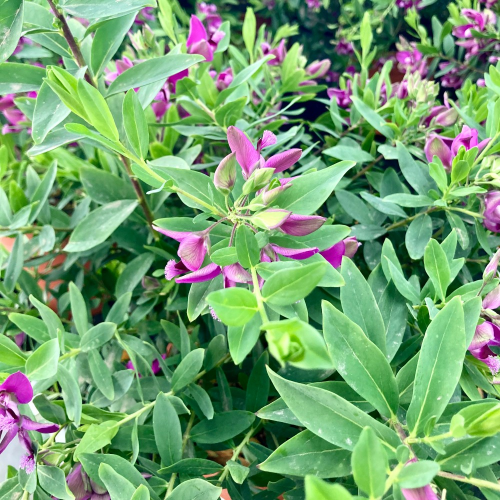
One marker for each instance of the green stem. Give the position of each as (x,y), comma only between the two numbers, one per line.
(486,149)
(464,211)
(430,439)
(70,354)
(480,483)
(258,296)
(236,453)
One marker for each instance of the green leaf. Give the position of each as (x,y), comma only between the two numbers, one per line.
(249,31)
(202,399)
(233,306)
(417,474)
(167,429)
(11,26)
(247,247)
(78,309)
(258,385)
(14,264)
(225,256)
(71,394)
(360,362)
(193,467)
(196,489)
(437,267)
(81,131)
(238,472)
(222,427)
(328,415)
(152,70)
(97,110)
(117,486)
(405,288)
(18,77)
(372,117)
(384,206)
(42,364)
(94,9)
(97,336)
(33,327)
(198,294)
(101,374)
(309,192)
(107,40)
(96,437)
(133,273)
(99,225)
(10,354)
(369,464)
(351,153)
(42,192)
(136,127)
(418,179)
(53,481)
(141,493)
(316,489)
(290,285)
(306,454)
(242,339)
(105,187)
(187,370)
(359,304)
(439,366)
(417,236)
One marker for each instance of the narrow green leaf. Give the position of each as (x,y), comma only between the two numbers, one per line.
(167,429)
(136,127)
(437,267)
(78,309)
(187,370)
(42,364)
(247,248)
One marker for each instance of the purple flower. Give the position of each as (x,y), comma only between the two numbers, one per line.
(347,248)
(155,365)
(452,78)
(224,78)
(486,334)
(443,115)
(225,174)
(206,273)
(278,52)
(344,47)
(235,273)
(250,158)
(318,69)
(301,225)
(291,253)
(199,42)
(82,487)
(477,21)
(121,66)
(492,212)
(408,4)
(313,4)
(492,300)
(446,149)
(162,100)
(16,389)
(491,269)
(423,493)
(212,19)
(12,115)
(342,96)
(145,14)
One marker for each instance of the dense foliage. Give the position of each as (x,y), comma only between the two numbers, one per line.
(248,253)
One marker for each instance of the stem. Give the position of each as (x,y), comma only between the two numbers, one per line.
(409,219)
(430,439)
(480,483)
(367,168)
(258,296)
(236,453)
(141,197)
(71,41)
(70,354)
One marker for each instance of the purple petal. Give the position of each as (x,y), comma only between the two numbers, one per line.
(175,235)
(78,484)
(8,437)
(334,254)
(284,160)
(204,274)
(27,463)
(295,253)
(488,357)
(203,48)
(423,493)
(482,336)
(351,246)
(19,385)
(192,251)
(246,155)
(302,225)
(492,300)
(173,269)
(197,32)
(268,139)
(435,146)
(30,425)
(236,273)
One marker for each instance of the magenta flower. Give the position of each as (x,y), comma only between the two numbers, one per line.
(492,211)
(235,273)
(199,42)
(162,100)
(342,96)
(347,247)
(314,4)
(212,19)
(446,149)
(408,4)
(344,47)
(145,14)
(206,273)
(486,334)
(121,66)
(490,270)
(155,365)
(411,59)
(83,488)
(477,21)
(423,493)
(278,52)
(443,115)
(318,69)
(250,158)
(14,117)
(492,300)
(272,251)
(451,79)
(223,79)
(16,389)
(301,225)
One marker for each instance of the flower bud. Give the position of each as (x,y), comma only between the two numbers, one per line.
(436,146)
(225,175)
(270,219)
(491,269)
(446,118)
(318,69)
(259,179)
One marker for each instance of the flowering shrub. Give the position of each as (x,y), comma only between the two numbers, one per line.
(250,253)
